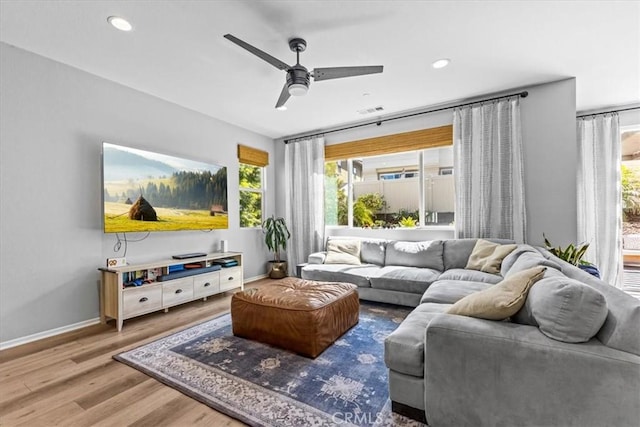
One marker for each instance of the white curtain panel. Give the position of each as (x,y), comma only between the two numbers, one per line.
(489,182)
(304,178)
(600,194)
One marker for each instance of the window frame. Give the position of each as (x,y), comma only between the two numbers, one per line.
(261,191)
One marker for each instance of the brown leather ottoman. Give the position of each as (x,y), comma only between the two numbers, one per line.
(303,316)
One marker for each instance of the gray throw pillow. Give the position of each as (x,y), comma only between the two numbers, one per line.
(564,309)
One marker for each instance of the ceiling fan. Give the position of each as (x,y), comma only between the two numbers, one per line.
(298,77)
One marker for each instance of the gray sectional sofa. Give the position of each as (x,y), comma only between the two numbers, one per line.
(569,356)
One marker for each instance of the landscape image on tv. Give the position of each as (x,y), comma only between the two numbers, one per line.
(146,191)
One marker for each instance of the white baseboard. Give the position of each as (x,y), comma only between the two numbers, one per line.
(46,334)
(256,278)
(61,330)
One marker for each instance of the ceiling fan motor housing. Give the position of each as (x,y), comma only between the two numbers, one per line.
(298,75)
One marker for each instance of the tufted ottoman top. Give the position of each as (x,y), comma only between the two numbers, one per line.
(296,294)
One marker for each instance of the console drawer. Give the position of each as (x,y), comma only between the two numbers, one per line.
(230,278)
(141,300)
(206,284)
(177,291)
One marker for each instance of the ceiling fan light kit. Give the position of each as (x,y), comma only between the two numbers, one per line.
(298,77)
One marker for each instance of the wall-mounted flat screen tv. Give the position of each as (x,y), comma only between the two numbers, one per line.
(147,191)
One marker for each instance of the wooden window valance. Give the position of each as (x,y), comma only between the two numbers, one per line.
(408,141)
(252,156)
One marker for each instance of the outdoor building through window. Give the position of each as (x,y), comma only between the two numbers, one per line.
(252,185)
(386,190)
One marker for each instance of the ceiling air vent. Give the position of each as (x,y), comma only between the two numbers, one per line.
(371,110)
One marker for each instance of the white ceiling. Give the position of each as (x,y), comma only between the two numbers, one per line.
(176,52)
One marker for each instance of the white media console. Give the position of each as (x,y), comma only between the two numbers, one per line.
(134,290)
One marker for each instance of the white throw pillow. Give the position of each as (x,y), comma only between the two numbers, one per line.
(343,252)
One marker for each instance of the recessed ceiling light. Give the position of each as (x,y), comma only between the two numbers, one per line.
(120,23)
(441,63)
(282,108)
(366,94)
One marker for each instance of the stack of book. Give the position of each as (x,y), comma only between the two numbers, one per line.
(226,262)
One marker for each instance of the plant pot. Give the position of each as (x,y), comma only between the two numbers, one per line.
(277,269)
(591,269)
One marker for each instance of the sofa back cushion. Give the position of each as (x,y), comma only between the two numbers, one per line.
(620,329)
(372,251)
(564,309)
(456,252)
(525,257)
(425,254)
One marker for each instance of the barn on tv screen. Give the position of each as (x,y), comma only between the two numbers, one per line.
(146,191)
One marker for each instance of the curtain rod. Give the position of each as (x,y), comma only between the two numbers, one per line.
(619,110)
(522,94)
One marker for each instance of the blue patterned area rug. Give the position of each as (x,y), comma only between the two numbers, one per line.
(262,385)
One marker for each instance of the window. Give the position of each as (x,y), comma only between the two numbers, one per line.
(252,185)
(250,195)
(630,182)
(386,190)
(395,180)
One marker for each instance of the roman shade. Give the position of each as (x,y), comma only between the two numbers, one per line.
(252,156)
(408,141)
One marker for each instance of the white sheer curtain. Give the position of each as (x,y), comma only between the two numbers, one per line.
(599,193)
(487,146)
(304,178)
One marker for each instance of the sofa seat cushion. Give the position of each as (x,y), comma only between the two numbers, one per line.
(564,309)
(404,279)
(357,274)
(471,276)
(426,254)
(450,291)
(404,347)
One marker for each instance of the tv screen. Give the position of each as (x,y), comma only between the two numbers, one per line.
(146,191)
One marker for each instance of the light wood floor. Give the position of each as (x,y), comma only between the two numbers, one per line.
(72,380)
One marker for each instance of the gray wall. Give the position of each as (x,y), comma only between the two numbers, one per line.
(548,117)
(52,124)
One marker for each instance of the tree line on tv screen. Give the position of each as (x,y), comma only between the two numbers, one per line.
(187,190)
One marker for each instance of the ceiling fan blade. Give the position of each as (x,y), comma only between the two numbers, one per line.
(320,74)
(284,96)
(257,52)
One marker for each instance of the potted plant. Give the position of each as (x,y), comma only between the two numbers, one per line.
(573,254)
(408,222)
(276,235)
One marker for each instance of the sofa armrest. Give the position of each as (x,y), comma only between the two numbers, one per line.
(483,372)
(317,257)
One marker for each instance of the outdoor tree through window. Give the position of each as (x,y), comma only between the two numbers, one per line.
(251,192)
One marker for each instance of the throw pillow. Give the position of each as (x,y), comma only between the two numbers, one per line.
(500,301)
(487,256)
(564,309)
(343,252)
